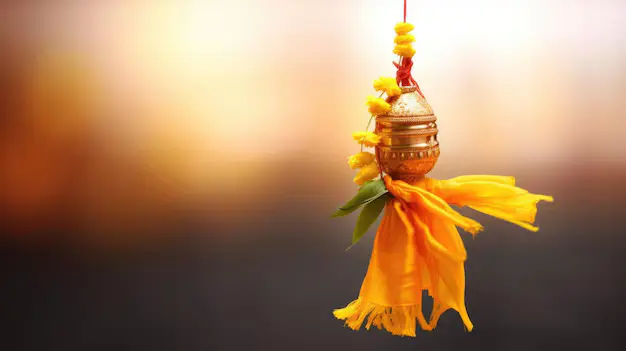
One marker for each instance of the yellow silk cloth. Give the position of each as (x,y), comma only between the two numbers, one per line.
(417,247)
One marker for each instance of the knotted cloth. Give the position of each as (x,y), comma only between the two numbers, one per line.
(417,247)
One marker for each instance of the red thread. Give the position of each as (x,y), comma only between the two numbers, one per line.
(403,76)
(404,11)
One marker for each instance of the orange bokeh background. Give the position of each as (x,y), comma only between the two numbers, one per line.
(123,113)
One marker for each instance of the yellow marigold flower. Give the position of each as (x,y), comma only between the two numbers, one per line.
(366,138)
(403,28)
(405,50)
(377,106)
(404,39)
(361,159)
(366,173)
(387,85)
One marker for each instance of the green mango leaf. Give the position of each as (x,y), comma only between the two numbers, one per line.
(369,192)
(368,216)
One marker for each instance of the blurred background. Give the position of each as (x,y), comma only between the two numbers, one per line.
(168,169)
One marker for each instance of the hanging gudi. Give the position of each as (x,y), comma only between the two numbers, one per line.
(417,246)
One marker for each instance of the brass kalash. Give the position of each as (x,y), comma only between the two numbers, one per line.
(408,148)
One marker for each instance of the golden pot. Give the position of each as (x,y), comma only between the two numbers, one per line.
(408,148)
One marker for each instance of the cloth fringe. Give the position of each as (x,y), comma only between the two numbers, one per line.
(398,320)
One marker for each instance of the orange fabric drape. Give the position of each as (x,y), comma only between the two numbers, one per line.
(417,247)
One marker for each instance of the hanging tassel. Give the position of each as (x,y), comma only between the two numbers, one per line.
(417,247)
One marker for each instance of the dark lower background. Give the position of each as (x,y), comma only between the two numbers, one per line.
(266,275)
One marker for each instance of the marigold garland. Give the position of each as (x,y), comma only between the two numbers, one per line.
(366,173)
(387,85)
(377,106)
(404,50)
(404,39)
(403,28)
(361,159)
(368,139)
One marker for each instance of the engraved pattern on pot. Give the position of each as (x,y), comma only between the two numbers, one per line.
(409,148)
